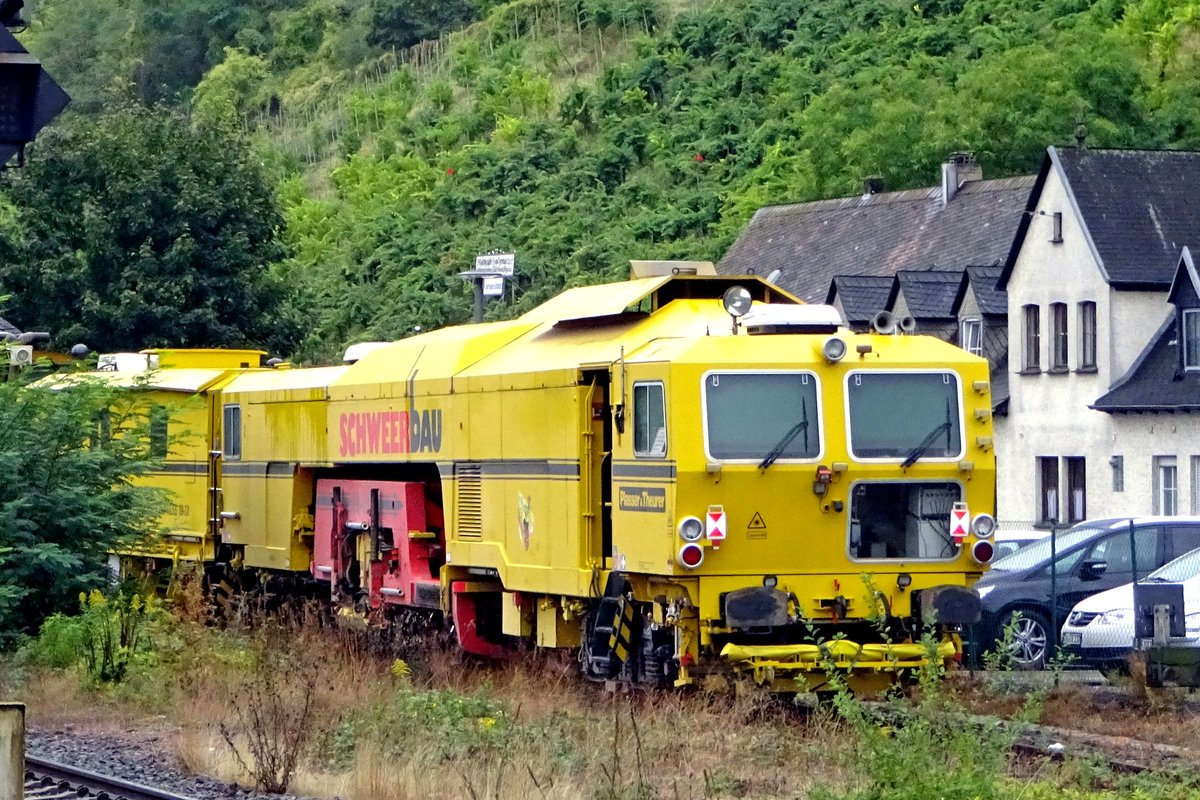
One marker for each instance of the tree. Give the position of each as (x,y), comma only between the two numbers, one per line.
(69,493)
(231,90)
(137,229)
(403,23)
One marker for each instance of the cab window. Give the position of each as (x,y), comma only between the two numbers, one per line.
(754,416)
(649,420)
(905,415)
(232,448)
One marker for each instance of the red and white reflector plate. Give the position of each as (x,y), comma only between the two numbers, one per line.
(715,524)
(959,521)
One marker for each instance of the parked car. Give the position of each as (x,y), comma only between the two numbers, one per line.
(1010,541)
(1089,558)
(1100,629)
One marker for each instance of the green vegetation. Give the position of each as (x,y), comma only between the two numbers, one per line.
(135,229)
(315,711)
(69,496)
(581,133)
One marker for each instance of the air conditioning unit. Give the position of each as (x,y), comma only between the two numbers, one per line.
(20,355)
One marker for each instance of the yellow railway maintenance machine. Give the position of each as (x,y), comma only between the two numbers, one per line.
(183,390)
(679,475)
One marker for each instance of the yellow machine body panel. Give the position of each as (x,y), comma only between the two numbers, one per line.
(183,386)
(267,463)
(211,358)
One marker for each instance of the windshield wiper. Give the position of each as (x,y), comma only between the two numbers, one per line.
(793,432)
(929,439)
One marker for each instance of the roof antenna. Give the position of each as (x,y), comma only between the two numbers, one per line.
(1081,133)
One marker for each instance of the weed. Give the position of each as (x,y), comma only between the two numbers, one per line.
(59,643)
(1003,657)
(273,720)
(913,749)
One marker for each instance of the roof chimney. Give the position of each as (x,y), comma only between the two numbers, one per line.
(960,169)
(873,185)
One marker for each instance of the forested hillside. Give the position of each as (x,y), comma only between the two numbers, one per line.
(403,137)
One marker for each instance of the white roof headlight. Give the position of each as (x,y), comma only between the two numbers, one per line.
(737,301)
(834,349)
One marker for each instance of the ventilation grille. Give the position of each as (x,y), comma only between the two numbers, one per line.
(470,501)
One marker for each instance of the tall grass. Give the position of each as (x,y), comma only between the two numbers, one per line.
(376,718)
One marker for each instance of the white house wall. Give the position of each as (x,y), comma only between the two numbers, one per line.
(1048,413)
(1135,318)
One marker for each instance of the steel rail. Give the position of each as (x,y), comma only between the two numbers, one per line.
(46,779)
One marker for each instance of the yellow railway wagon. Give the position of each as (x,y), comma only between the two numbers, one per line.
(182,388)
(675,475)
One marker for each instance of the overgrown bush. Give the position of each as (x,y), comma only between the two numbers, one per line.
(70,456)
(271,720)
(921,745)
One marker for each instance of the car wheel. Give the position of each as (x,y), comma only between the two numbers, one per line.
(1030,640)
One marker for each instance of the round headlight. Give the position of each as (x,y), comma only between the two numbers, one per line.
(691,529)
(984,525)
(834,349)
(691,555)
(736,300)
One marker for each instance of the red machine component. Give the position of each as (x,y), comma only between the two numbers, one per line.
(379,541)
(466,600)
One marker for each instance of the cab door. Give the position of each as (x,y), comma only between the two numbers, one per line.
(643,475)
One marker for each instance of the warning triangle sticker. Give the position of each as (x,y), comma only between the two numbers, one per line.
(756,523)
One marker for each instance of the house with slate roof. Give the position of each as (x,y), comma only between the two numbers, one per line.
(928,297)
(982,313)
(963,307)
(960,222)
(858,298)
(1104,329)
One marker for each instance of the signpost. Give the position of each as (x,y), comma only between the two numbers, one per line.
(493,286)
(488,276)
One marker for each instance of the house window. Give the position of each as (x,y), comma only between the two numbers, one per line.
(232,447)
(649,420)
(1191,339)
(1196,484)
(1166,486)
(1058,337)
(972,336)
(1118,469)
(1087,335)
(1048,489)
(1033,342)
(1056,231)
(1076,488)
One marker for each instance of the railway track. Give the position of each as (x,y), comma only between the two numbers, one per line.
(50,780)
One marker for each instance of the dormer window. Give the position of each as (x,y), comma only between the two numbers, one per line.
(1191,339)
(972,336)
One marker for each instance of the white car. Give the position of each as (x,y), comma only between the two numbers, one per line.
(1100,629)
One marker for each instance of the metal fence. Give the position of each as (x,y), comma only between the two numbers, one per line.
(1065,594)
